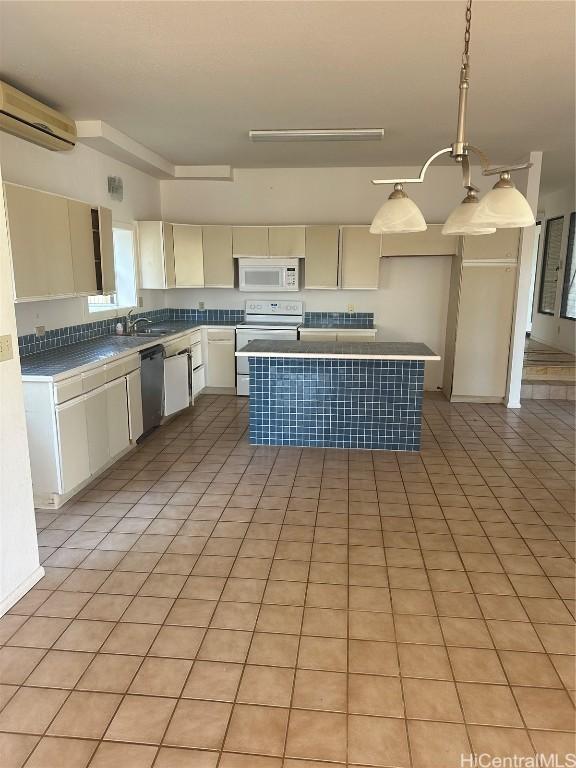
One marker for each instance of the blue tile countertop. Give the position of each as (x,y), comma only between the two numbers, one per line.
(355,350)
(336,325)
(62,361)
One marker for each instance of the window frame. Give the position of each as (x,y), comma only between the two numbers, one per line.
(543,269)
(116,310)
(570,255)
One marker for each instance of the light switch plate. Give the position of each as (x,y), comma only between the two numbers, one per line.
(6,348)
(200,305)
(350,307)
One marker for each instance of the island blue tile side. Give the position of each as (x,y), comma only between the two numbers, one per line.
(372,404)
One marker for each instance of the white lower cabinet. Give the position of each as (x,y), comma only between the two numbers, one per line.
(117,416)
(135,418)
(221,361)
(97,429)
(72,438)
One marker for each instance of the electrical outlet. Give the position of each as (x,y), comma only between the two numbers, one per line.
(5,348)
(40,330)
(201,305)
(350,307)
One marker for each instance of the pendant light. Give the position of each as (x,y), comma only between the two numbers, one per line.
(464,219)
(398,214)
(503,207)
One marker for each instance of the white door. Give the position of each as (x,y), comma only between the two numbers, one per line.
(72,444)
(221,363)
(117,407)
(97,426)
(176,384)
(135,420)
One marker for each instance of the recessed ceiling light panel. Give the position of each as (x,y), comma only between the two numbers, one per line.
(320,134)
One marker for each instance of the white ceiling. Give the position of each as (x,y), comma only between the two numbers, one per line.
(189,79)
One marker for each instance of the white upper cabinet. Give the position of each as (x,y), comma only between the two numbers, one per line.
(188,256)
(503,245)
(359,258)
(156,247)
(431,242)
(287,242)
(322,256)
(40,243)
(106,250)
(250,242)
(82,245)
(218,261)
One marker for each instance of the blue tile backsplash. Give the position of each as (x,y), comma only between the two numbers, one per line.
(339,319)
(336,403)
(61,337)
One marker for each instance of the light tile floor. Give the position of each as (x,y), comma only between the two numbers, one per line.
(208,603)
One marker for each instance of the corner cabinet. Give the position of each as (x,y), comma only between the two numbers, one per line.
(322,249)
(156,248)
(359,258)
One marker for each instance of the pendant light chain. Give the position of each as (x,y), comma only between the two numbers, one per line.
(465,55)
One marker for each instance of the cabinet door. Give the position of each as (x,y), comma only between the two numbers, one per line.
(72,444)
(501,245)
(188,256)
(40,243)
(431,242)
(176,384)
(221,361)
(287,242)
(218,261)
(107,250)
(135,418)
(151,252)
(483,333)
(359,259)
(117,413)
(82,246)
(251,242)
(321,269)
(97,426)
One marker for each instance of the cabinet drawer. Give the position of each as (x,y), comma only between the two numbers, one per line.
(220,334)
(196,337)
(93,379)
(318,335)
(197,358)
(356,335)
(67,389)
(121,367)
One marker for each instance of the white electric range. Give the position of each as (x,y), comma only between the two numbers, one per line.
(265,320)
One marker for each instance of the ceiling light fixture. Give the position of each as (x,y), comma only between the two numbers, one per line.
(504,206)
(328,134)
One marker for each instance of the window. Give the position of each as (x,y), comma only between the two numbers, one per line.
(550,265)
(125,268)
(568,308)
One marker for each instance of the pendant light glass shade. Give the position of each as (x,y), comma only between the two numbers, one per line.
(398,215)
(504,207)
(462,220)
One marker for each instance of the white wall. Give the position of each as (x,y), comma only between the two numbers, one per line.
(554,330)
(19,566)
(81,174)
(412,300)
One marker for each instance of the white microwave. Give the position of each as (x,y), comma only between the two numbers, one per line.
(268,275)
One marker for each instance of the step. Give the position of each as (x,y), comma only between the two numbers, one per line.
(544,389)
(565,372)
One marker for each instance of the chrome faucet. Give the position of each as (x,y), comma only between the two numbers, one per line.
(131,324)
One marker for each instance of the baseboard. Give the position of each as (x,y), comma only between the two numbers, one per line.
(218,391)
(21,590)
(475,399)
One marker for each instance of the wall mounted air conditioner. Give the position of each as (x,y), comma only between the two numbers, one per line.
(23,116)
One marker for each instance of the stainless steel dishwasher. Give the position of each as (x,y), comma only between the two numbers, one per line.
(152,378)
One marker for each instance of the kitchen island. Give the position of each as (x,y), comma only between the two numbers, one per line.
(337,394)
